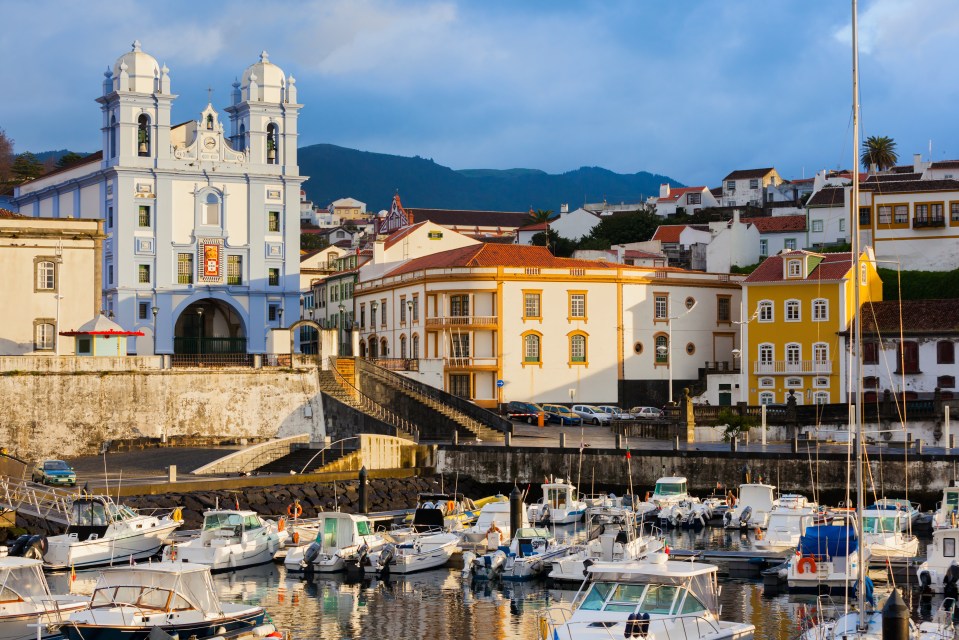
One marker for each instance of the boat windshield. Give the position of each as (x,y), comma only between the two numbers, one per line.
(119,512)
(872,524)
(670,488)
(159,590)
(22,583)
(557,497)
(140,597)
(363,528)
(952,498)
(222,521)
(659,599)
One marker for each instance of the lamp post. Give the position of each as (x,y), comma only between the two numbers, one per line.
(199,313)
(279,313)
(339,325)
(155,309)
(56,337)
(409,312)
(669,345)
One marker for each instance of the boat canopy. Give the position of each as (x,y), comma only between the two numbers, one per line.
(168,586)
(21,579)
(828,540)
(700,578)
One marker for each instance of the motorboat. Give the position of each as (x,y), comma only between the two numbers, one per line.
(427,546)
(906,512)
(672,498)
(881,533)
(230,539)
(940,572)
(456,513)
(612,538)
(26,601)
(655,598)
(786,526)
(527,556)
(756,501)
(102,532)
(559,505)
(162,599)
(692,514)
(947,512)
(341,539)
(492,527)
(825,560)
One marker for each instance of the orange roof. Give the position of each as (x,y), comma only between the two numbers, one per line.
(669,232)
(399,234)
(6,213)
(832,267)
(539,226)
(777,224)
(497,255)
(676,194)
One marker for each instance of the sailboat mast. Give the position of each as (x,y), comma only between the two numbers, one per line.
(856,334)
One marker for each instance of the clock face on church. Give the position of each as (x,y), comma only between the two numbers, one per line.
(210,143)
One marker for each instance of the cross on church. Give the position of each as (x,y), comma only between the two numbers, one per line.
(209,94)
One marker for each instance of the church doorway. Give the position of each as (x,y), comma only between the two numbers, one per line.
(209,326)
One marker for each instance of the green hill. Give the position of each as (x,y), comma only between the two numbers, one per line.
(337,172)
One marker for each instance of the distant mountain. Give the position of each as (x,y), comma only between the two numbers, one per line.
(338,172)
(56,155)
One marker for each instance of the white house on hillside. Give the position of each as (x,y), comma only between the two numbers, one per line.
(673,200)
(748,187)
(779,233)
(575,224)
(734,244)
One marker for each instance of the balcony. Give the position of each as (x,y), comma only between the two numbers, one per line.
(928,224)
(442,322)
(470,362)
(793,367)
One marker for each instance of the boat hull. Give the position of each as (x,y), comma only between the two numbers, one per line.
(64,553)
(20,625)
(200,629)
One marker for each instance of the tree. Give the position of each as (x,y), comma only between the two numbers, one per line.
(879,151)
(559,246)
(6,160)
(25,167)
(68,159)
(621,229)
(313,241)
(540,215)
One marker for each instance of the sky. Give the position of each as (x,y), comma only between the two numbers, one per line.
(691,89)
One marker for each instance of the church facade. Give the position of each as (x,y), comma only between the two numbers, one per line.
(201,217)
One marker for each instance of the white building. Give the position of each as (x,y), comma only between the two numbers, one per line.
(673,200)
(734,244)
(574,224)
(202,218)
(748,187)
(50,281)
(779,233)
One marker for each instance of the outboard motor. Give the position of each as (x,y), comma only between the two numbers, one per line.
(587,563)
(497,564)
(386,557)
(745,516)
(35,548)
(468,558)
(949,582)
(925,582)
(309,556)
(19,545)
(727,518)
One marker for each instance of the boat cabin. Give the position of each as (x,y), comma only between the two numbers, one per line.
(944,546)
(760,497)
(949,504)
(658,587)
(21,580)
(159,587)
(879,522)
(559,495)
(229,523)
(529,541)
(670,489)
(91,516)
(342,530)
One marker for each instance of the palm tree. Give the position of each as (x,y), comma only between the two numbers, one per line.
(879,151)
(540,215)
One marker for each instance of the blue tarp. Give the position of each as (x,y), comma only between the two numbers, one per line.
(828,540)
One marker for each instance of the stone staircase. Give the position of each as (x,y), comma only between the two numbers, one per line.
(340,387)
(298,458)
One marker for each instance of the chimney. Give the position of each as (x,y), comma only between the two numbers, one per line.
(664,190)
(917,162)
(563,208)
(379,252)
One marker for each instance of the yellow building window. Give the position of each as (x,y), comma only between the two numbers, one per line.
(578,348)
(532,305)
(577,305)
(532,348)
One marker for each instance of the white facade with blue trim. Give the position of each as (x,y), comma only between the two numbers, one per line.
(202,218)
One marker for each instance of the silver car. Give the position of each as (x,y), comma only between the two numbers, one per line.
(616,412)
(592,414)
(647,413)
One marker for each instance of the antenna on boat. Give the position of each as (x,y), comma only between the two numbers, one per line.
(106,477)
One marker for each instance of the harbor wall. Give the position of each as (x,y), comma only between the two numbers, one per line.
(66,414)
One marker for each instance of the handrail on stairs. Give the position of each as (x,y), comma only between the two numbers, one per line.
(373,407)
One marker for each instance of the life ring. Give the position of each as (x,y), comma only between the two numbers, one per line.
(294,510)
(296,537)
(281,525)
(759,533)
(177,514)
(806,564)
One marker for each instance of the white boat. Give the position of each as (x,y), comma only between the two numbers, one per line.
(137,603)
(655,599)
(613,538)
(559,505)
(25,601)
(102,532)
(458,512)
(427,546)
(756,501)
(230,539)
(786,526)
(492,527)
(881,533)
(528,556)
(826,561)
(341,539)
(672,498)
(905,512)
(940,572)
(947,512)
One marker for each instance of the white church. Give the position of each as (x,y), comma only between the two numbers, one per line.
(201,217)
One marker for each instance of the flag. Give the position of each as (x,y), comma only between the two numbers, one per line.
(628,456)
(73,574)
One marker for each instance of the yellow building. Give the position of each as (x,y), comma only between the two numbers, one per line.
(797,304)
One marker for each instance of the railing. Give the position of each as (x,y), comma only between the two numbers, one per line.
(465,362)
(38,500)
(794,366)
(398,364)
(212,360)
(723,367)
(477,413)
(461,321)
(374,408)
(252,457)
(189,345)
(928,224)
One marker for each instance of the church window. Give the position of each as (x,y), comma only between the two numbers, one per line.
(273,221)
(274,276)
(46,276)
(272,312)
(143,273)
(211,210)
(143,135)
(143,217)
(143,310)
(44,336)
(113,136)
(242,140)
(184,268)
(109,217)
(272,144)
(234,270)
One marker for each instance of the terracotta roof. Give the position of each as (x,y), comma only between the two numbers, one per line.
(539,226)
(101,326)
(717,192)
(901,176)
(459,218)
(399,234)
(833,267)
(646,255)
(911,186)
(496,255)
(6,213)
(671,232)
(945,164)
(777,224)
(743,174)
(93,157)
(828,197)
(676,194)
(918,317)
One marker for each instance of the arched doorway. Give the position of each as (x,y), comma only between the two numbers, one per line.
(209,326)
(372,351)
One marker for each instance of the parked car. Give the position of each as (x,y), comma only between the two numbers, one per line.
(524,411)
(54,472)
(616,412)
(647,413)
(561,415)
(592,415)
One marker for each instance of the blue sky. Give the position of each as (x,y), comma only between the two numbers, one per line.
(688,89)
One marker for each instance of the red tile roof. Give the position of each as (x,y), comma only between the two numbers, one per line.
(832,267)
(6,213)
(539,226)
(945,164)
(743,174)
(828,197)
(399,234)
(460,218)
(496,255)
(670,232)
(676,194)
(918,317)
(646,255)
(777,224)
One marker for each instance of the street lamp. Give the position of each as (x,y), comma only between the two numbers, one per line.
(155,309)
(668,350)
(741,353)
(279,313)
(199,313)
(409,312)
